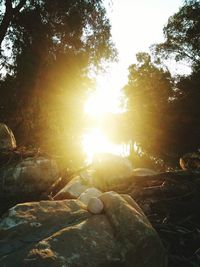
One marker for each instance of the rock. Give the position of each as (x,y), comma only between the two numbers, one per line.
(89,193)
(64,233)
(73,189)
(139,243)
(30,176)
(95,205)
(26,180)
(190,161)
(7,139)
(143,172)
(109,168)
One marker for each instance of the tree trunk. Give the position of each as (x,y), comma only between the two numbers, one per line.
(4,26)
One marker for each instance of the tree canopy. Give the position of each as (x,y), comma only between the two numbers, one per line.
(148,93)
(53,45)
(182,34)
(163,111)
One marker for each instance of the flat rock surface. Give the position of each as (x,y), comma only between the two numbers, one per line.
(64,233)
(73,189)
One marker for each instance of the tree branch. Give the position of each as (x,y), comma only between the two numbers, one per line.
(10,12)
(8,5)
(19,6)
(6,20)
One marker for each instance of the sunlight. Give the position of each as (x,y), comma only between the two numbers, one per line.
(95,142)
(106,98)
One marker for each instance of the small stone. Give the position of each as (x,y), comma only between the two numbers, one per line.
(88,194)
(95,205)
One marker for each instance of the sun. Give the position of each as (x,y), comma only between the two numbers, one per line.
(96,142)
(105,100)
(107,96)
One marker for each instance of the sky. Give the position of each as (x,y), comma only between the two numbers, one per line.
(135,26)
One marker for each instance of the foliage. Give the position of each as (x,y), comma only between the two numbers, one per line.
(182,41)
(53,44)
(186,108)
(182,34)
(148,91)
(163,115)
(10,13)
(163,112)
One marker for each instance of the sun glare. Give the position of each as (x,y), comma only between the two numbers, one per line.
(95,142)
(106,98)
(103,101)
(137,37)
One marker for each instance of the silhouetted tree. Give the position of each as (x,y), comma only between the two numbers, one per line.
(53,46)
(149,93)
(165,112)
(182,42)
(12,10)
(187,111)
(182,34)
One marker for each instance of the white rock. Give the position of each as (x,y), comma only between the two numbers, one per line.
(74,188)
(88,194)
(95,205)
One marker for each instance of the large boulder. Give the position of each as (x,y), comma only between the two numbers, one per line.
(73,189)
(7,139)
(190,161)
(64,233)
(26,180)
(30,176)
(139,243)
(109,168)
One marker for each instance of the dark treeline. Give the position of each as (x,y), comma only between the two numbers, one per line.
(47,50)
(164,111)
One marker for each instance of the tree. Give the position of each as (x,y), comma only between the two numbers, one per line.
(54,44)
(148,93)
(9,15)
(182,42)
(163,112)
(187,113)
(182,35)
